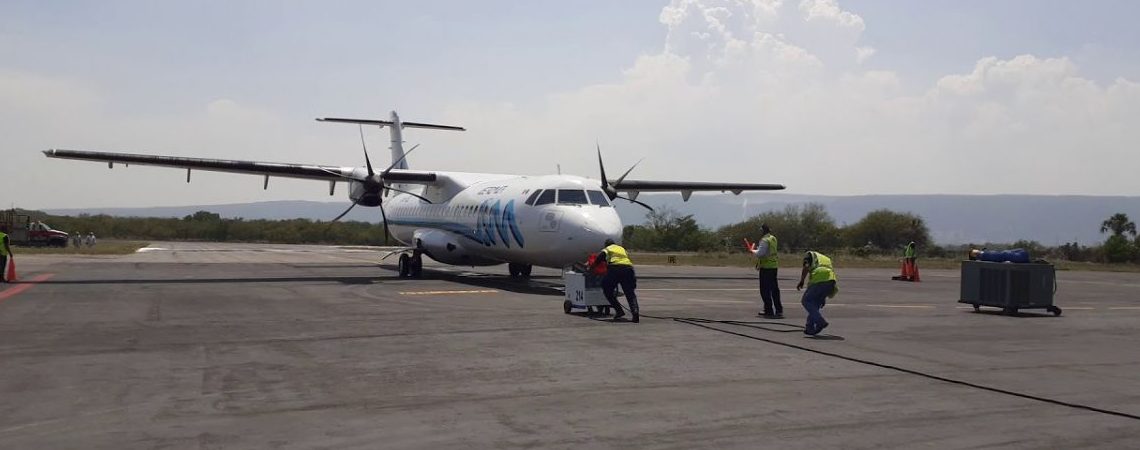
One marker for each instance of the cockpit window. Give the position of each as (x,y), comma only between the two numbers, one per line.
(598,198)
(530,200)
(572,197)
(547,197)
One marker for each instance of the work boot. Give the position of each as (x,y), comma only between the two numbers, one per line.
(619,315)
(821,327)
(778,316)
(636,318)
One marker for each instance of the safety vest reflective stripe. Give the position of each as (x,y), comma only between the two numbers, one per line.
(617,256)
(909,251)
(772,259)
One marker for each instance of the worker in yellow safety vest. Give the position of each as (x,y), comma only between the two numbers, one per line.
(619,271)
(821,279)
(5,252)
(767,263)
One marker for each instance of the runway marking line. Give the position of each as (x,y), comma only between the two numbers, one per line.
(901,306)
(472,291)
(23,286)
(1120,307)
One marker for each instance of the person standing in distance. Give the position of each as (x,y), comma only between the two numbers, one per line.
(5,252)
(767,263)
(822,284)
(619,271)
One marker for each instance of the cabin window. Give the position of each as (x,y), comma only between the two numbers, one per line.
(598,198)
(571,197)
(546,197)
(530,200)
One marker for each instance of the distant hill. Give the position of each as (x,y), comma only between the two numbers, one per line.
(953,219)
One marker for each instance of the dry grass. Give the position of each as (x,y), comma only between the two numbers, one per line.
(104,247)
(721,259)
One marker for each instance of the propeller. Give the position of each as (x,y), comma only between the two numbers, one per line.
(374,184)
(610,188)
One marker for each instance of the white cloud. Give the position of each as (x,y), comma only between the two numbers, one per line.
(768,91)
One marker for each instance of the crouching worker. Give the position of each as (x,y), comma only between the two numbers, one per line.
(619,270)
(821,286)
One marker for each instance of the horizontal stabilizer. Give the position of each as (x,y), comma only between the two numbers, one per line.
(389,123)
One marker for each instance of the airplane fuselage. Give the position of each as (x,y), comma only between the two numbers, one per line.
(550,221)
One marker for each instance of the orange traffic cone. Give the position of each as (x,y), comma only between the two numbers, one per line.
(10,273)
(914,271)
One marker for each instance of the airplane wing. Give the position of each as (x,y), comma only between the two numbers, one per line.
(686,188)
(306,171)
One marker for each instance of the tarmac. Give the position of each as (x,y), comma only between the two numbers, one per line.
(204,345)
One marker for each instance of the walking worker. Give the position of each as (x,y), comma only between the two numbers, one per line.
(91,239)
(619,271)
(821,280)
(5,253)
(77,239)
(767,263)
(910,263)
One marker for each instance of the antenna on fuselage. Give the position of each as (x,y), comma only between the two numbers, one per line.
(559,168)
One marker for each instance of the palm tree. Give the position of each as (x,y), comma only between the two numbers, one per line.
(1118,224)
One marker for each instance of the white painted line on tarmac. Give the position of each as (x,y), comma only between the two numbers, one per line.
(1118,307)
(698,289)
(473,291)
(901,306)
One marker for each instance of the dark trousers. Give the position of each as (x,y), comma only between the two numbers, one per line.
(815,297)
(770,292)
(4,268)
(624,276)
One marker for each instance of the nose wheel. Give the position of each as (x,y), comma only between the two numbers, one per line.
(411,266)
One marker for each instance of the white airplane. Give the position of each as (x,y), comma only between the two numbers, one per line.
(460,218)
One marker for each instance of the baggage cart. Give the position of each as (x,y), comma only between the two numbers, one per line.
(1009,286)
(584,291)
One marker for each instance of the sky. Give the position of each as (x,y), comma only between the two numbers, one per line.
(825,96)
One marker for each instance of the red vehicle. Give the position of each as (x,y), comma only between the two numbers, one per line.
(21,230)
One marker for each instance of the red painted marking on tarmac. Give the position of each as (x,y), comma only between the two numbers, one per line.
(23,286)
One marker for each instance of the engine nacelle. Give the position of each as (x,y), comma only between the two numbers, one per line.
(445,248)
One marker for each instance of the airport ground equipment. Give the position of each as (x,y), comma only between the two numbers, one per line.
(583,291)
(22,230)
(1009,286)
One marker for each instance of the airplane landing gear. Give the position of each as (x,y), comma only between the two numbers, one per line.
(411,266)
(519,270)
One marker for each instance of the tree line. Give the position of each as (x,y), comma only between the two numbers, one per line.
(208,226)
(810,227)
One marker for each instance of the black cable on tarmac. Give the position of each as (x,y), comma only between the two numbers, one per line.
(704,323)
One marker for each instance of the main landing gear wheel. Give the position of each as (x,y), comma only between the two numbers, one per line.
(405,265)
(519,270)
(411,266)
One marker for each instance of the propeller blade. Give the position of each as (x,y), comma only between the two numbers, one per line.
(639,203)
(353,205)
(622,177)
(389,169)
(601,167)
(411,194)
(365,146)
(384,216)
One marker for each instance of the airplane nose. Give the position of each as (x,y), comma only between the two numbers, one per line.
(595,229)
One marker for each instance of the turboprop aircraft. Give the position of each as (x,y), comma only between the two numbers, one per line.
(460,218)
